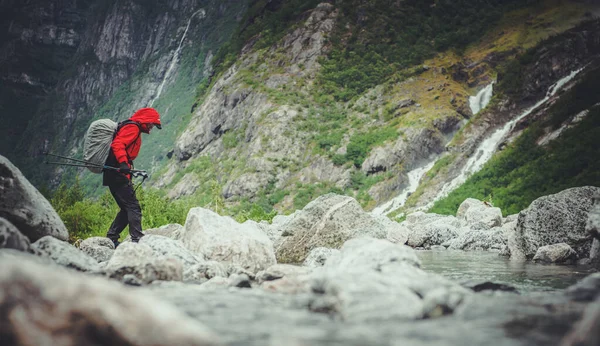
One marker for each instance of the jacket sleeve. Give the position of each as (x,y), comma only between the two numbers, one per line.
(127,135)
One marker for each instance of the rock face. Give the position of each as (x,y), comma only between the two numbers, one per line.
(64,254)
(11,238)
(42,305)
(222,239)
(556,253)
(25,207)
(328,221)
(558,218)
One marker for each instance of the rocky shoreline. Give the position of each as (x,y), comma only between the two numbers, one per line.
(357,278)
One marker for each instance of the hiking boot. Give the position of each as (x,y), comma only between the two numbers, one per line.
(116,243)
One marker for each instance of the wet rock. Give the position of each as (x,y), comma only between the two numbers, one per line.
(11,238)
(222,239)
(60,307)
(318,256)
(99,248)
(586,331)
(555,253)
(328,221)
(480,286)
(479,215)
(239,281)
(25,207)
(374,280)
(585,290)
(558,218)
(141,261)
(64,254)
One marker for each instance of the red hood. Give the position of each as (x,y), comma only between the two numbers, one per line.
(147,116)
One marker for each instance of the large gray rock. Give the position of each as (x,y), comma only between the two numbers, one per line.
(558,218)
(222,239)
(142,262)
(372,280)
(586,332)
(11,238)
(435,233)
(25,207)
(318,256)
(555,253)
(99,248)
(328,221)
(64,254)
(479,215)
(474,240)
(47,305)
(168,247)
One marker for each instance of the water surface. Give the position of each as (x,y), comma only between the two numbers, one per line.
(488,266)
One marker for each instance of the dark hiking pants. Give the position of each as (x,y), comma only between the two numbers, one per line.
(130,213)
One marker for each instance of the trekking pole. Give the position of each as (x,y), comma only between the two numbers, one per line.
(134,172)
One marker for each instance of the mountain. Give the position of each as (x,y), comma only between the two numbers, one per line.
(275,103)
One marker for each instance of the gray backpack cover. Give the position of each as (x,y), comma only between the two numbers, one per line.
(96,144)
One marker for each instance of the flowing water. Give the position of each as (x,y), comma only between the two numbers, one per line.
(488,147)
(414,177)
(175,56)
(481,100)
(488,266)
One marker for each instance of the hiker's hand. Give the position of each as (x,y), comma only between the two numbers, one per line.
(124,168)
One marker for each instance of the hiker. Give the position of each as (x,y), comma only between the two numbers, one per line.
(124,149)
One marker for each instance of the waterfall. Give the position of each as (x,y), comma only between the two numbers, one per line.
(175,57)
(414,177)
(487,148)
(481,100)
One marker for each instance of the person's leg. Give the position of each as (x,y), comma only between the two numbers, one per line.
(120,221)
(130,204)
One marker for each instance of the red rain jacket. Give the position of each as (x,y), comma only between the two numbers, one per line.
(128,141)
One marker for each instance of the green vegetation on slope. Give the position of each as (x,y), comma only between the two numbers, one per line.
(525,171)
(376,39)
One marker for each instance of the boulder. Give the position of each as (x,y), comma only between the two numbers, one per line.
(398,234)
(373,280)
(11,238)
(141,261)
(479,215)
(48,305)
(586,332)
(64,254)
(586,290)
(215,283)
(239,281)
(318,256)
(474,240)
(99,248)
(435,233)
(222,239)
(555,253)
(25,207)
(170,248)
(328,221)
(558,218)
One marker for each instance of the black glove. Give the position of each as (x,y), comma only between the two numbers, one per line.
(124,168)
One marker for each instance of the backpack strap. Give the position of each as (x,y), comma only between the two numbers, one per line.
(124,123)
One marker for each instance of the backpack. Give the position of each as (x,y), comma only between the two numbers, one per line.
(97,141)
